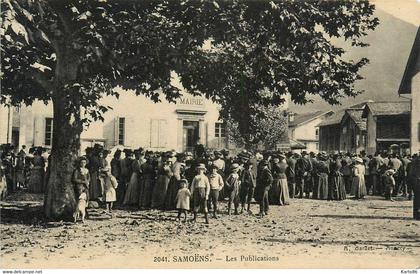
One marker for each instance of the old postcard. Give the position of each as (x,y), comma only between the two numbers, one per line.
(210,134)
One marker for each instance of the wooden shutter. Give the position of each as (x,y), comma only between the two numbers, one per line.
(154,133)
(162,133)
(116,130)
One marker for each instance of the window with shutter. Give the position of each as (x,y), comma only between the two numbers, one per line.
(162,133)
(121,131)
(154,133)
(48,131)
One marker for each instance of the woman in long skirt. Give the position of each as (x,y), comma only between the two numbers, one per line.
(322,185)
(132,192)
(358,187)
(279,191)
(161,187)
(147,180)
(95,187)
(174,184)
(336,187)
(36,179)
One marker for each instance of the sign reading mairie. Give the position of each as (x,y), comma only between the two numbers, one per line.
(189,101)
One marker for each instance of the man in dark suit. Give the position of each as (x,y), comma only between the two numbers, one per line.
(303,170)
(264,182)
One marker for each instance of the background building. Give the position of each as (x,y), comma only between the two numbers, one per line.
(410,86)
(353,131)
(388,123)
(303,128)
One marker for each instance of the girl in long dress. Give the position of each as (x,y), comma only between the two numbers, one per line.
(161,187)
(358,187)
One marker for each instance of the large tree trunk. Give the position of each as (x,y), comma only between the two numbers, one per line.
(59,202)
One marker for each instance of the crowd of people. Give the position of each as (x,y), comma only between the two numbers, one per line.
(199,182)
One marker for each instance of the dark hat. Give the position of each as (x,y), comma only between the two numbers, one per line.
(248,164)
(304,153)
(216,152)
(264,162)
(128,152)
(81,158)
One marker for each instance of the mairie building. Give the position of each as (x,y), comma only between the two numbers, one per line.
(133,122)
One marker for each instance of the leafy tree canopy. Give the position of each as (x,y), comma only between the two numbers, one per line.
(261,50)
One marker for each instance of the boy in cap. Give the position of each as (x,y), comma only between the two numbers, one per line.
(216,184)
(232,185)
(248,183)
(200,189)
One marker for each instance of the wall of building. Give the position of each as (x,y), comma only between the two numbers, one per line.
(329,138)
(389,127)
(4,123)
(415,111)
(371,134)
(352,139)
(152,126)
(306,133)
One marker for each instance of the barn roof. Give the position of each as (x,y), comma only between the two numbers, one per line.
(336,118)
(412,66)
(387,108)
(304,118)
(356,116)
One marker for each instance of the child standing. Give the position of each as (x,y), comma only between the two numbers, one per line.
(232,185)
(216,184)
(183,199)
(110,184)
(200,189)
(389,183)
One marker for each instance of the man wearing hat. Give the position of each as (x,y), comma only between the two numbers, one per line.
(290,173)
(219,162)
(200,189)
(303,169)
(264,182)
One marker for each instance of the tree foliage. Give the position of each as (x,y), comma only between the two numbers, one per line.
(265,133)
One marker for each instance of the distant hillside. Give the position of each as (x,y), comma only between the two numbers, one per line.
(390,45)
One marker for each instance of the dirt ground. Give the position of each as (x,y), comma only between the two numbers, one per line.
(371,233)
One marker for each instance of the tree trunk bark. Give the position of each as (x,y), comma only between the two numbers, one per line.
(59,202)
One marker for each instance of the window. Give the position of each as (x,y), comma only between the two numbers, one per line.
(219,129)
(121,130)
(317,146)
(48,131)
(317,132)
